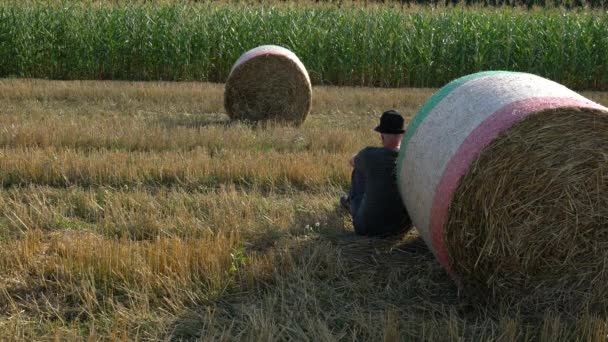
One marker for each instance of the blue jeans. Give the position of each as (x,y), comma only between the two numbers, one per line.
(357,198)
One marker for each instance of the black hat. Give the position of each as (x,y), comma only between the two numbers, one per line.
(391,122)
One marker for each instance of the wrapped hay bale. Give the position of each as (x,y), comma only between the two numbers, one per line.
(268,83)
(505,175)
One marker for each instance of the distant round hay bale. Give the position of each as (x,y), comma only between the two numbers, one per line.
(268,83)
(505,175)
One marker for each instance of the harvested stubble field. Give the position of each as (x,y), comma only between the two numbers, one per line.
(137,211)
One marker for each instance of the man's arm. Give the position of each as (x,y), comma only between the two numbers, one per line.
(352,160)
(358,160)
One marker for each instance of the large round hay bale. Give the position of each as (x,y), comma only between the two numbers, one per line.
(505,175)
(268,83)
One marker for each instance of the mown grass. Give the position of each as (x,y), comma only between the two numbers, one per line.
(238,238)
(340,45)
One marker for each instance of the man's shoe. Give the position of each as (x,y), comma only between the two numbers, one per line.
(345,202)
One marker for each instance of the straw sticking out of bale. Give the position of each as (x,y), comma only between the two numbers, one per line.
(531,214)
(268,83)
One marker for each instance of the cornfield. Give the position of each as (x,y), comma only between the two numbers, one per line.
(388,46)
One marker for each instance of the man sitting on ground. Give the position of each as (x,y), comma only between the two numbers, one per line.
(374,201)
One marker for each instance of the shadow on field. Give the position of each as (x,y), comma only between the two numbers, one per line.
(331,285)
(215,119)
(326,278)
(310,226)
(195,121)
(336,229)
